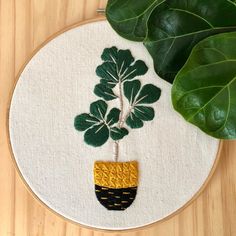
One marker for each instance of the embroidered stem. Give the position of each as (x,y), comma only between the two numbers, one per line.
(127,115)
(121,105)
(116,151)
(128,112)
(120,122)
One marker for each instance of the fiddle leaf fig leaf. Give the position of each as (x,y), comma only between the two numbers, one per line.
(108,74)
(204,90)
(97,135)
(110,54)
(131,89)
(118,133)
(137,69)
(129,17)
(134,122)
(137,96)
(113,116)
(176,26)
(116,62)
(148,94)
(108,83)
(124,61)
(144,113)
(101,90)
(84,121)
(118,66)
(98,109)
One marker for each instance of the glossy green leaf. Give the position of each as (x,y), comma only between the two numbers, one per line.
(176,26)
(144,113)
(204,90)
(104,92)
(148,94)
(131,89)
(129,17)
(118,133)
(98,109)
(134,122)
(97,135)
(118,66)
(113,116)
(84,121)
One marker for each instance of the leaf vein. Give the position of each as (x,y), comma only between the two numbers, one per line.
(192,13)
(233,80)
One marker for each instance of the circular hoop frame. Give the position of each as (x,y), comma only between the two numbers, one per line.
(34,194)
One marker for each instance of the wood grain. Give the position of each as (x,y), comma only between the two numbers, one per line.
(24,25)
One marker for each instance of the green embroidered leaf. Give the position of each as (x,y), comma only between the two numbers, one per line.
(84,121)
(116,63)
(98,109)
(118,133)
(134,122)
(97,135)
(176,26)
(144,113)
(108,74)
(110,54)
(148,94)
(137,69)
(119,66)
(104,92)
(129,17)
(124,60)
(113,116)
(204,90)
(108,83)
(131,89)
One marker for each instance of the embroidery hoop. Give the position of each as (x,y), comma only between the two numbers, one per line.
(34,194)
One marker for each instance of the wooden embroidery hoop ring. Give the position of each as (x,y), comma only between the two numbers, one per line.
(34,194)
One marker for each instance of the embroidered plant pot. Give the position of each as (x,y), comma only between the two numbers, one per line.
(116,183)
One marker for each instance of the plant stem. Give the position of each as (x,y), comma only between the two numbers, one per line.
(116,151)
(126,116)
(121,105)
(120,122)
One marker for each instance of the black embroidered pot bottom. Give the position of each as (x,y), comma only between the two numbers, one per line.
(115,199)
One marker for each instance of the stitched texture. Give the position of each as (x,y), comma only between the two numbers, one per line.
(115,199)
(116,174)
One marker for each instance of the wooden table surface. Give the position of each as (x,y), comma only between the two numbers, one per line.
(24,25)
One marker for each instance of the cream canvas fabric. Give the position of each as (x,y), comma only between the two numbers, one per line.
(175,158)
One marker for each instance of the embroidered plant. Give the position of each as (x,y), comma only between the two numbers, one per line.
(118,81)
(116,182)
